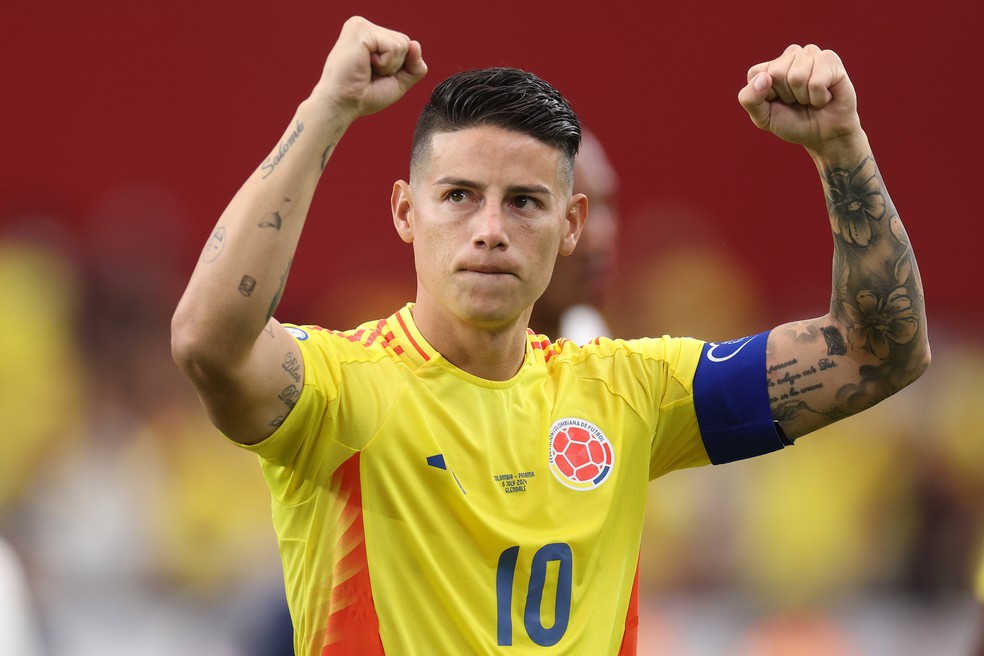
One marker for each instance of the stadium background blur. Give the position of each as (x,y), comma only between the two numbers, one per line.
(128,126)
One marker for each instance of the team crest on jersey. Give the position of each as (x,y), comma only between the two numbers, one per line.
(581,456)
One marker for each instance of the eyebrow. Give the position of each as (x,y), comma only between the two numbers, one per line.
(514,189)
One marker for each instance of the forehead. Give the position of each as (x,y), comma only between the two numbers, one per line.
(489,154)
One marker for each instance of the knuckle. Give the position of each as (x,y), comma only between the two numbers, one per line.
(797,77)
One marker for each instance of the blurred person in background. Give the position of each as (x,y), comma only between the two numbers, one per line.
(20,632)
(978,648)
(128,533)
(571,306)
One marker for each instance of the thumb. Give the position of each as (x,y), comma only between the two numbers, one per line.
(755,97)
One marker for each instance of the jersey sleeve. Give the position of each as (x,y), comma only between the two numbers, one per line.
(303,452)
(731,399)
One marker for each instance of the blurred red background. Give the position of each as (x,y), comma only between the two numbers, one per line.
(179,101)
(128,127)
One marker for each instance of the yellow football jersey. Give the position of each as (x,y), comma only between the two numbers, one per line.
(421,510)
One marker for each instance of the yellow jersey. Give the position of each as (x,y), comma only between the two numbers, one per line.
(421,510)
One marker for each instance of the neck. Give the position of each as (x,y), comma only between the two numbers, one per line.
(489,352)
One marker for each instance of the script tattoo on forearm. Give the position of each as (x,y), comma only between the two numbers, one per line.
(270,163)
(791,382)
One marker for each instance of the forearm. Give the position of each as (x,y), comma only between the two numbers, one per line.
(243,267)
(873,342)
(877,292)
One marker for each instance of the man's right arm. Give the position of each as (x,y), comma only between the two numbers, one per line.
(246,368)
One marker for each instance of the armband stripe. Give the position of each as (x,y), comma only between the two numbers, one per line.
(731,399)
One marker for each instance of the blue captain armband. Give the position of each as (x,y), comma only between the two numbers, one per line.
(731,398)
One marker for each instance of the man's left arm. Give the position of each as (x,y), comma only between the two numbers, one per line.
(873,342)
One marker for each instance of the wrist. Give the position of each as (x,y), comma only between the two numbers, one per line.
(842,150)
(327,107)
(326,123)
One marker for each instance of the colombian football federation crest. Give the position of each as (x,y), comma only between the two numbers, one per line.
(581,456)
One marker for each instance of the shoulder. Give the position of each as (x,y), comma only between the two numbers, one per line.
(372,341)
(660,351)
(652,363)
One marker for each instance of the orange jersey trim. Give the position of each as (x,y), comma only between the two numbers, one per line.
(353,626)
(630,639)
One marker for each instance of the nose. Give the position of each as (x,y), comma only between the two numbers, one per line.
(490,227)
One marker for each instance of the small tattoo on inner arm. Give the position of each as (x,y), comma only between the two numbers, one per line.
(272,220)
(247,285)
(276,219)
(214,245)
(835,341)
(280,291)
(277,421)
(324,156)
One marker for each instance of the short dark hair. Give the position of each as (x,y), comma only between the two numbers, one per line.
(508,98)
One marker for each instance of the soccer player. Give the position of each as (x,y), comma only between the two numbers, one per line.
(445,481)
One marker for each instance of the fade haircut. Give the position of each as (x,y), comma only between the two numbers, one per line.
(507,98)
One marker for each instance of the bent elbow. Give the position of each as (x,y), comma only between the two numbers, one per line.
(916,365)
(187,344)
(922,359)
(193,348)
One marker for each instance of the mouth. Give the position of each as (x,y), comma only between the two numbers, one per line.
(488,270)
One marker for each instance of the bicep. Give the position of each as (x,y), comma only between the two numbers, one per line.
(248,401)
(815,376)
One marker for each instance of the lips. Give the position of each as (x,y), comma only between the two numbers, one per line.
(487,269)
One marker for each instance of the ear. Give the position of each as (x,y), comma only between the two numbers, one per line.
(401,203)
(577,214)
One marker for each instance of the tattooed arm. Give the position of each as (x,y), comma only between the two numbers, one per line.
(873,342)
(246,368)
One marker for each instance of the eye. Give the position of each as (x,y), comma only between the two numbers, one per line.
(457,196)
(527,203)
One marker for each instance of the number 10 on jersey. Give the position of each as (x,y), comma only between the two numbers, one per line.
(505,575)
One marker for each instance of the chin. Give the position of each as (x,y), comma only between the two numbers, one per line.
(489,314)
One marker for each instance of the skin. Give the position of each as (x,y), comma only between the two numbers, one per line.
(243,364)
(487,214)
(873,341)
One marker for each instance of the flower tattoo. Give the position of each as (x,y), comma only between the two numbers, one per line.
(879,322)
(855,199)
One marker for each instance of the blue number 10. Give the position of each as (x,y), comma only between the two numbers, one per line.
(504,575)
